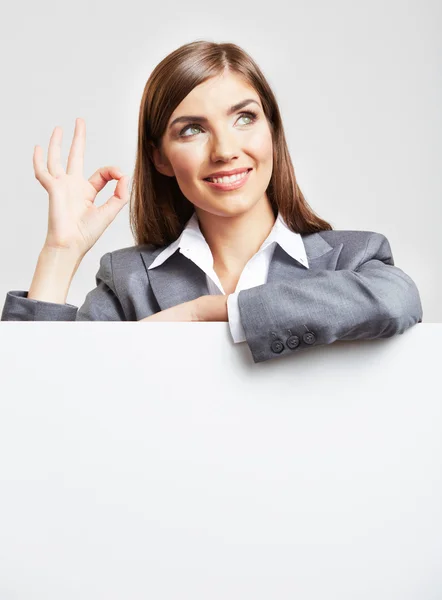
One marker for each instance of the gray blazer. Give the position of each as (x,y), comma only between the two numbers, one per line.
(351,291)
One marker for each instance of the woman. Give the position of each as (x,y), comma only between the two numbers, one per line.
(245,249)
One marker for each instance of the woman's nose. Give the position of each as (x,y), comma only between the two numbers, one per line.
(224,147)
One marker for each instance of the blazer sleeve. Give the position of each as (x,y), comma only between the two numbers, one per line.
(375,300)
(101,303)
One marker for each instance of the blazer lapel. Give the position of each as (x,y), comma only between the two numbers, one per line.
(179,279)
(176,280)
(320,255)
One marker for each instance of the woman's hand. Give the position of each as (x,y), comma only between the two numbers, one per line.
(204,308)
(74,221)
(181,312)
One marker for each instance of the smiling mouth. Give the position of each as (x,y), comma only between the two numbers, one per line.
(210,179)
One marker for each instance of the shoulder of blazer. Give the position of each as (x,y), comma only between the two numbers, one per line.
(356,245)
(352,237)
(132,259)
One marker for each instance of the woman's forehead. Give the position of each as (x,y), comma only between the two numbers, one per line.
(222,90)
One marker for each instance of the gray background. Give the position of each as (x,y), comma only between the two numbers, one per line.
(359,87)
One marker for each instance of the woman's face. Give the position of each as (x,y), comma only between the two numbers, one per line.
(194,149)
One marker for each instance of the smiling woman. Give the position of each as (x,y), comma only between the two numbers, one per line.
(222,230)
(208,112)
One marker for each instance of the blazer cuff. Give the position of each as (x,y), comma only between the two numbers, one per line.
(18,307)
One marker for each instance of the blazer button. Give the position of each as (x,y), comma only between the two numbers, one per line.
(292,341)
(277,346)
(309,337)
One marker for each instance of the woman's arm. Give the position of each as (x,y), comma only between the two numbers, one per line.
(53,275)
(101,303)
(376,300)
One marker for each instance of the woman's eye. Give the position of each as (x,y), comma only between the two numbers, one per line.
(188,127)
(248,115)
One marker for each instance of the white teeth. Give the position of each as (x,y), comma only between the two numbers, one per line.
(230,179)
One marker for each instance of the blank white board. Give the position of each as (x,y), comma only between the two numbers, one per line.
(160,462)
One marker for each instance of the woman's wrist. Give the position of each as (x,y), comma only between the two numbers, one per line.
(53,275)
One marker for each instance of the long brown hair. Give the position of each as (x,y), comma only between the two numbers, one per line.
(158,208)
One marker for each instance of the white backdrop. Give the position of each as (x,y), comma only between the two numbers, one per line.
(358,83)
(126,476)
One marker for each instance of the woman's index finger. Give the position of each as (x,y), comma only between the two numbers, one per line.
(76,154)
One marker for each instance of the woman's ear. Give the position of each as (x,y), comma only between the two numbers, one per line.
(161,164)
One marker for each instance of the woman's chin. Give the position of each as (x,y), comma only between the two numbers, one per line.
(229,207)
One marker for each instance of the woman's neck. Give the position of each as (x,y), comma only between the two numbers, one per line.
(234,240)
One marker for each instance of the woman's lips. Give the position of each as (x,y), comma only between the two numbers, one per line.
(230,186)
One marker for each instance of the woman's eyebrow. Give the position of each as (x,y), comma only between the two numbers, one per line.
(231,110)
